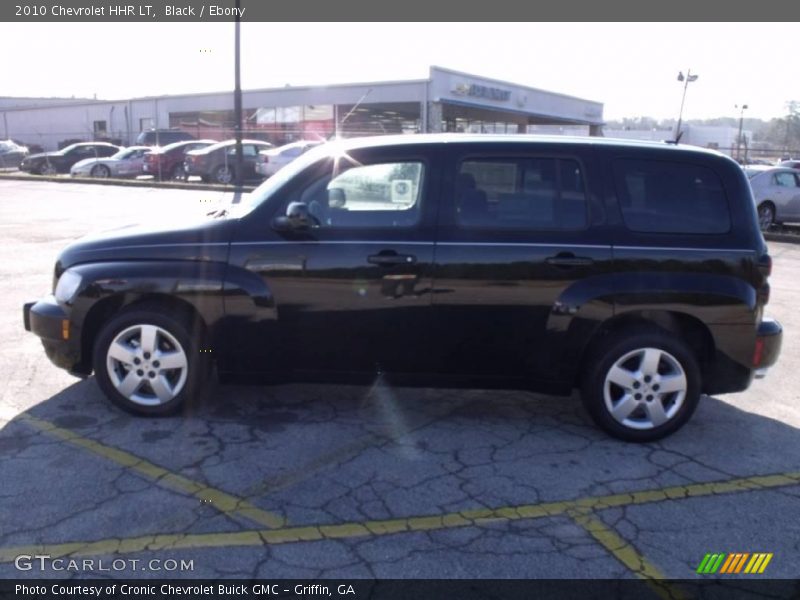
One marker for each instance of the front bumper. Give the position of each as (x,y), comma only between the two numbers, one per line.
(61,340)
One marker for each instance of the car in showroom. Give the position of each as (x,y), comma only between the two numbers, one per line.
(11,154)
(125,163)
(633,271)
(776,191)
(61,161)
(217,163)
(273,160)
(167,161)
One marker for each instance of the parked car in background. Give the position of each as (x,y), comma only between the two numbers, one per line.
(271,161)
(790,164)
(32,148)
(11,154)
(167,162)
(217,163)
(776,191)
(125,163)
(162,137)
(50,163)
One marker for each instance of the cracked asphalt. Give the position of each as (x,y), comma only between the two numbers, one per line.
(318,481)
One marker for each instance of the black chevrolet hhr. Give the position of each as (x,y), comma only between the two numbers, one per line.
(635,272)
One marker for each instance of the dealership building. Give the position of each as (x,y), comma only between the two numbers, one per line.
(446,101)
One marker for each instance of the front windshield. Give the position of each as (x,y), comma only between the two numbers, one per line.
(264,191)
(122,154)
(752,172)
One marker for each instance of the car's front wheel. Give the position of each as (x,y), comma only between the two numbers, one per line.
(223,174)
(101,171)
(147,361)
(48,169)
(641,386)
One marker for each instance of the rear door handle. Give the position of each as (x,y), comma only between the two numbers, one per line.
(569,260)
(388,258)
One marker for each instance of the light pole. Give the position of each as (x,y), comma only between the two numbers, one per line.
(739,138)
(687,80)
(237,109)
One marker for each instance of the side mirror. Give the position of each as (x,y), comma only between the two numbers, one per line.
(297,218)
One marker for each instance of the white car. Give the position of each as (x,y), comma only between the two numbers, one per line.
(125,163)
(271,161)
(776,191)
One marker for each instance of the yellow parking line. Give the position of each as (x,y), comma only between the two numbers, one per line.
(222,501)
(625,553)
(465,518)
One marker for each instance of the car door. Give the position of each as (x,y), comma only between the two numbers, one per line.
(515,234)
(132,163)
(787,194)
(352,292)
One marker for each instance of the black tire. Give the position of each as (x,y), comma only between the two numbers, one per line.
(766,215)
(100,171)
(224,174)
(175,327)
(178,173)
(47,169)
(639,425)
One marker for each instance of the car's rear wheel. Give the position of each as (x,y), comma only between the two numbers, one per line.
(223,174)
(147,360)
(47,169)
(766,215)
(100,171)
(641,386)
(178,173)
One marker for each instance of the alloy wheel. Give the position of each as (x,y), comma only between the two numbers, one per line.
(645,388)
(147,365)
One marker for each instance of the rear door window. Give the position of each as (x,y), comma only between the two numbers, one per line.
(521,193)
(670,197)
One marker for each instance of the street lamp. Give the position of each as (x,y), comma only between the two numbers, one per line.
(687,80)
(739,138)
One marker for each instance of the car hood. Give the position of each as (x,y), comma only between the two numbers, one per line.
(203,239)
(44,155)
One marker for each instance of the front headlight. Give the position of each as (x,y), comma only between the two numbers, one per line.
(66,287)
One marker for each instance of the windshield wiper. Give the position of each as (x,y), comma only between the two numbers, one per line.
(218,213)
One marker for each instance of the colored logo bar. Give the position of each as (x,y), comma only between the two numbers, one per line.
(737,562)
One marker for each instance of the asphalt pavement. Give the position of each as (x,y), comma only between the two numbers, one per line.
(313,481)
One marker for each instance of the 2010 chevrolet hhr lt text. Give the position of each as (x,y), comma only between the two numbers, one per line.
(635,272)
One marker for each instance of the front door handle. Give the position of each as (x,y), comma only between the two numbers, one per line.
(567,259)
(387,258)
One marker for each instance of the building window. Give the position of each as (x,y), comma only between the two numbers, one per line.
(100,128)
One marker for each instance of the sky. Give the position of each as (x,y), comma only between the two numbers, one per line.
(631,68)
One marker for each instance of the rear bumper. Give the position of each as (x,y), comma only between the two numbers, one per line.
(768,345)
(61,341)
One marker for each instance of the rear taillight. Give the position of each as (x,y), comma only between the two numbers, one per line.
(758,352)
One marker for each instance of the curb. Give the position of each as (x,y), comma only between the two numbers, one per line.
(789,238)
(170,185)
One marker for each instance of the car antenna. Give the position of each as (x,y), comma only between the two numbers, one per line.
(677,139)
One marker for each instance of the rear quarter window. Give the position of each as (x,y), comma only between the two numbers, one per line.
(670,197)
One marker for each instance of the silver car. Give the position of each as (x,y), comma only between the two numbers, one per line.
(271,161)
(776,191)
(125,163)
